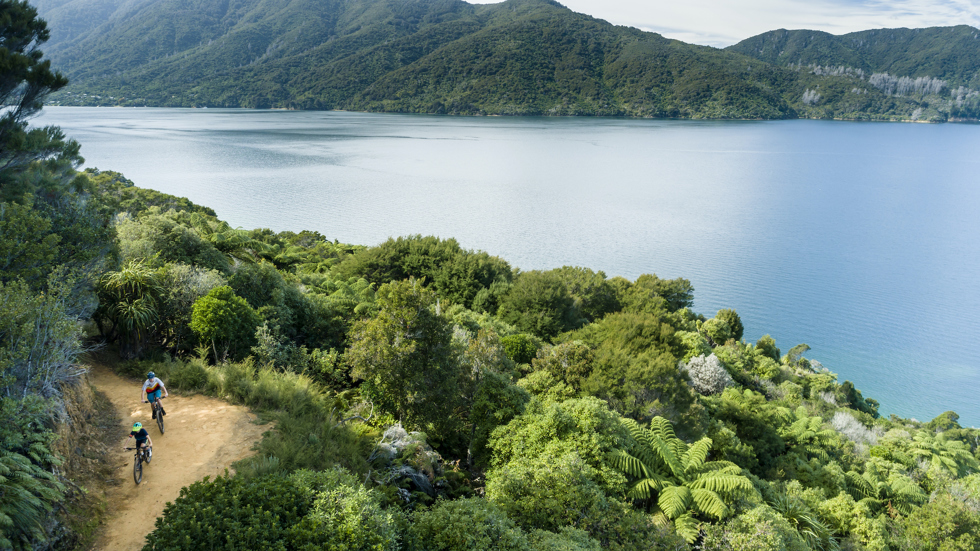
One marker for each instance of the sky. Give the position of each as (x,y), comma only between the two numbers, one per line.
(722,23)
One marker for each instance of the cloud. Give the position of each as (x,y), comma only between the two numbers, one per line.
(722,23)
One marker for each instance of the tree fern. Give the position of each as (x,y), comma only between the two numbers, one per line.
(806,436)
(881,491)
(675,479)
(28,489)
(817,535)
(944,453)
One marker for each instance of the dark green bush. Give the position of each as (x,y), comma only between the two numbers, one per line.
(520,348)
(465,525)
(540,303)
(225,322)
(231,513)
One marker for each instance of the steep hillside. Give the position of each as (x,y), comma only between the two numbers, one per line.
(521,56)
(518,57)
(948,53)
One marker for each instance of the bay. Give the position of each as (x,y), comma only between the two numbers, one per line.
(859,239)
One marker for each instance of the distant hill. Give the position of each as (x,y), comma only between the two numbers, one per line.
(948,53)
(519,57)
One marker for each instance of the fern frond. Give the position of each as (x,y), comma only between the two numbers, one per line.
(726,467)
(674,501)
(873,505)
(696,455)
(860,484)
(688,527)
(722,483)
(709,503)
(646,488)
(662,428)
(659,519)
(628,464)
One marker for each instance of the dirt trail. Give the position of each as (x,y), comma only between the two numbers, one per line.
(203,437)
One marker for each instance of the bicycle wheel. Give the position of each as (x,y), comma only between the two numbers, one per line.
(159,417)
(138,468)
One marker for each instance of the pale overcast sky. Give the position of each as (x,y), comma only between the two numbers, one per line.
(722,23)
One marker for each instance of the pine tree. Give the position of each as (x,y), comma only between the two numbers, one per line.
(25,80)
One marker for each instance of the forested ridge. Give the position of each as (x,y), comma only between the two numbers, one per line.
(518,57)
(938,66)
(427,396)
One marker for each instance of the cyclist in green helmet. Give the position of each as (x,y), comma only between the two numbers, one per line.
(142,439)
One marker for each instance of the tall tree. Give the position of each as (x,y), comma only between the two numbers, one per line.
(25,80)
(405,356)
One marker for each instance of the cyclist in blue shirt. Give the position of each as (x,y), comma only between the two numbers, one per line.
(143,439)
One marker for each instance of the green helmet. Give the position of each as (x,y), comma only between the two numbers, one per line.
(137,425)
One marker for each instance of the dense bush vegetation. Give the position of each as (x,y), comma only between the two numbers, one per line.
(430,397)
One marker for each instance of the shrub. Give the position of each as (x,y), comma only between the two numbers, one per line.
(694,344)
(465,525)
(521,348)
(852,429)
(406,358)
(707,375)
(730,317)
(225,321)
(548,492)
(583,426)
(566,539)
(569,362)
(943,524)
(766,345)
(539,303)
(345,516)
(163,237)
(182,285)
(760,529)
(188,376)
(555,493)
(231,513)
(717,330)
(546,388)
(39,340)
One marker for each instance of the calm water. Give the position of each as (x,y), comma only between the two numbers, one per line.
(859,239)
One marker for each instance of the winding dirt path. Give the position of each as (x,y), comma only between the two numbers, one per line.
(204,436)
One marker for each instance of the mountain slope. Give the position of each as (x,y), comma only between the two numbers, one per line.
(948,53)
(530,57)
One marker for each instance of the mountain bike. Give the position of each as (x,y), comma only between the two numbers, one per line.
(158,412)
(142,454)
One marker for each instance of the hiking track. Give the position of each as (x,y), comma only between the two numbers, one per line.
(204,436)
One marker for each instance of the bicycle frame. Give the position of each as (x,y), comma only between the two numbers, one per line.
(138,458)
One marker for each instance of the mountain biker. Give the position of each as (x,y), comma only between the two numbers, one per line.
(142,439)
(153,387)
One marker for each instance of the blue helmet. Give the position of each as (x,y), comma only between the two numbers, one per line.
(137,425)
(151,375)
